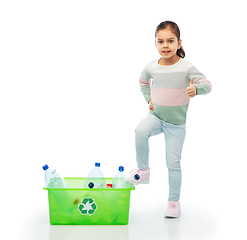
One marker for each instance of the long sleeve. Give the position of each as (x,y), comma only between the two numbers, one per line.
(145,88)
(203,85)
(144,81)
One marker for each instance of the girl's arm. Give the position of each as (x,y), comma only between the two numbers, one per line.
(202,85)
(145,88)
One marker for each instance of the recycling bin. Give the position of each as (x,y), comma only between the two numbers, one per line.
(76,205)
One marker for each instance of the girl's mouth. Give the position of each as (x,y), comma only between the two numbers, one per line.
(166,52)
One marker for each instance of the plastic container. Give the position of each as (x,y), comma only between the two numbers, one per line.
(119,177)
(95,178)
(96,206)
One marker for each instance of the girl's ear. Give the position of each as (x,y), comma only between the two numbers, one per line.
(155,43)
(179,43)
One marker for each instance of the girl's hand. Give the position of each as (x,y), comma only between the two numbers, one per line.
(151,107)
(191,89)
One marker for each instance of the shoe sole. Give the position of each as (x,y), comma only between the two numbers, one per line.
(171,216)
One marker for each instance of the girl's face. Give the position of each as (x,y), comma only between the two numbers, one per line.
(167,44)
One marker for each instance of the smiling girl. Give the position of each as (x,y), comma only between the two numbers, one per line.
(174,81)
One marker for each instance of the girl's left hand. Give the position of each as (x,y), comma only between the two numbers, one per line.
(151,106)
(191,89)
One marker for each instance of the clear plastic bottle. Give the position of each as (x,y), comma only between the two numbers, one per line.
(52,178)
(126,184)
(65,200)
(119,177)
(95,178)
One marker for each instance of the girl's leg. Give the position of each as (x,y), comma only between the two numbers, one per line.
(148,127)
(174,135)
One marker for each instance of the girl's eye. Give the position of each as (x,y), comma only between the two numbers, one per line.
(171,41)
(160,42)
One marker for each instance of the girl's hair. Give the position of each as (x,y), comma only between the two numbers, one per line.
(174,27)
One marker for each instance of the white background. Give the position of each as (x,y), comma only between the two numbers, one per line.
(69,96)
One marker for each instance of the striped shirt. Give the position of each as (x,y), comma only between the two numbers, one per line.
(168,89)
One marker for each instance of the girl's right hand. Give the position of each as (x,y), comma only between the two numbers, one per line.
(151,106)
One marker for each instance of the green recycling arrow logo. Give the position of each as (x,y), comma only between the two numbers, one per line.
(87,206)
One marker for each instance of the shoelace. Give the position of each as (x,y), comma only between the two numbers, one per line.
(172,205)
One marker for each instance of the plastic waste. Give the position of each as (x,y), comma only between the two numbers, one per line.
(126,184)
(95,178)
(52,178)
(64,198)
(119,177)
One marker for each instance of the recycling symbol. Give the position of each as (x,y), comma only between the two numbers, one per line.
(87,206)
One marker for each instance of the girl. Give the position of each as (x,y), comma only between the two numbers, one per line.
(174,82)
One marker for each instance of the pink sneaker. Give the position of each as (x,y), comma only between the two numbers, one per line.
(173,209)
(137,176)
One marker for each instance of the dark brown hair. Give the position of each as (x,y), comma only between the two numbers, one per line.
(174,27)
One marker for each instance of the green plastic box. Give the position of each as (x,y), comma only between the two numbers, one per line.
(76,205)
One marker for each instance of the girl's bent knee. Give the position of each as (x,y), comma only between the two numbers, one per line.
(141,132)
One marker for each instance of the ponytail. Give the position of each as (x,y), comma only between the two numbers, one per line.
(181,52)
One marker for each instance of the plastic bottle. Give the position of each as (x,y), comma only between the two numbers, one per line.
(95,178)
(126,184)
(52,178)
(64,198)
(119,177)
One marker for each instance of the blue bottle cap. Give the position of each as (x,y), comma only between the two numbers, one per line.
(97,164)
(45,167)
(91,185)
(137,177)
(121,168)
